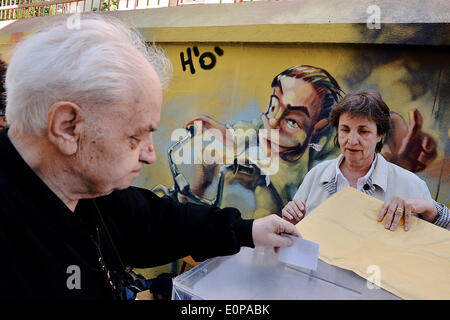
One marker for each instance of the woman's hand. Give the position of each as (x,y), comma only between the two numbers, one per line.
(398,207)
(294,211)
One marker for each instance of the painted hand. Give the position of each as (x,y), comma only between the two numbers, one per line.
(410,148)
(218,130)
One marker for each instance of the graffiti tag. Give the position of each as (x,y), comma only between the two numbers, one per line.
(207,60)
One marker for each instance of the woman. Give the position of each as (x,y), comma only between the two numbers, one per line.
(361,120)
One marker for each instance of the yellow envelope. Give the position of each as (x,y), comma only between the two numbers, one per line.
(413,264)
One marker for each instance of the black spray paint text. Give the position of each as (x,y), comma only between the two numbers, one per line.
(207,60)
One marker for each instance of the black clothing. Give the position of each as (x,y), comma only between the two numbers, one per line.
(40,237)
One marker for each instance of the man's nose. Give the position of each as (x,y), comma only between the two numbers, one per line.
(147,155)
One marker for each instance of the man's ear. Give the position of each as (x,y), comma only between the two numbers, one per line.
(64,121)
(319,126)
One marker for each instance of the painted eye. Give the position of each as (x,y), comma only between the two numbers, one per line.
(292,123)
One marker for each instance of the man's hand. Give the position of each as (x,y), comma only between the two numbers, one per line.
(397,208)
(266,232)
(294,211)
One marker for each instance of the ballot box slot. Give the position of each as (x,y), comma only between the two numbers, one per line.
(310,274)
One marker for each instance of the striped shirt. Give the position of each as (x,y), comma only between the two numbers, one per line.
(444,216)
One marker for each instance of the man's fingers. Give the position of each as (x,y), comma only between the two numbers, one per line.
(289,228)
(282,241)
(267,231)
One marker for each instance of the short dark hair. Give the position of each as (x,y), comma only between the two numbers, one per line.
(368,104)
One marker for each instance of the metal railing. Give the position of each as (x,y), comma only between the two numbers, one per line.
(20,9)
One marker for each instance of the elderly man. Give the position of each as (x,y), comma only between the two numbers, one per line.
(82,106)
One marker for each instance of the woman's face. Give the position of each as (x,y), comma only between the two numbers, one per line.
(357,137)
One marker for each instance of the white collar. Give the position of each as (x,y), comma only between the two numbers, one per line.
(339,173)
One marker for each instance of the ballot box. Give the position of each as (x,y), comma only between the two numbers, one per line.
(256,274)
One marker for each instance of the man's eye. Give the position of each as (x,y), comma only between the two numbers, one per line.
(134,139)
(292,123)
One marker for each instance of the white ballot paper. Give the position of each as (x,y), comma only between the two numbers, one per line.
(302,253)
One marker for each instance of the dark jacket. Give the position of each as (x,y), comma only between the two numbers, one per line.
(40,238)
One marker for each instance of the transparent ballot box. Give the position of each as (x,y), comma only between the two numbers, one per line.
(256,274)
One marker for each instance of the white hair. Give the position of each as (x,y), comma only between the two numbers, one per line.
(95,64)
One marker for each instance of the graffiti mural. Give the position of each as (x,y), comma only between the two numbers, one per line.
(292,89)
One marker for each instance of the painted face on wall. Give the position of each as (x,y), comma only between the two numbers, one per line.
(357,137)
(294,109)
(113,152)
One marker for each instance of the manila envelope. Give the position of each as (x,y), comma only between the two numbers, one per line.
(413,264)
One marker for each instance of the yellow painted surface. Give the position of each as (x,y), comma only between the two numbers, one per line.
(238,88)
